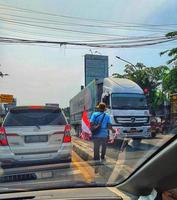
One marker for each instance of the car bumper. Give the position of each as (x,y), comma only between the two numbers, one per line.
(139,132)
(62,155)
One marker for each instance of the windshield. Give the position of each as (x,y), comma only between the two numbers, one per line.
(62,64)
(128,101)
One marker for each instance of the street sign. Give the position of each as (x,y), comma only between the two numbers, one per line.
(6,98)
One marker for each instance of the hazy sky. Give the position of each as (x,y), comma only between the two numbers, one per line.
(40,74)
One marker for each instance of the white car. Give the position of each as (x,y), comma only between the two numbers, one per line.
(35,134)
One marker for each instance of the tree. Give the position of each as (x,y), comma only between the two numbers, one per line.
(170,81)
(171,52)
(145,77)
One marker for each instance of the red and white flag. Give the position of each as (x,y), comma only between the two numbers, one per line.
(85,128)
(114,136)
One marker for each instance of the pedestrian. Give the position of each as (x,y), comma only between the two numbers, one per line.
(101,137)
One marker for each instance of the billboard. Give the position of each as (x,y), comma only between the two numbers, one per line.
(96,67)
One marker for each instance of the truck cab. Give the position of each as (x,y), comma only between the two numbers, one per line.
(127,106)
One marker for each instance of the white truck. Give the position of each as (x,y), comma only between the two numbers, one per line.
(126,104)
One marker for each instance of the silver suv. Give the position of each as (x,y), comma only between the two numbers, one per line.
(35,134)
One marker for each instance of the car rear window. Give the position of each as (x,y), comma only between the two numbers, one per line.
(35,117)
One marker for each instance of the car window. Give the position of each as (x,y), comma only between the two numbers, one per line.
(34,118)
(63,62)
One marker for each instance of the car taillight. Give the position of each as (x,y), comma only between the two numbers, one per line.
(67,128)
(67,136)
(36,107)
(3,138)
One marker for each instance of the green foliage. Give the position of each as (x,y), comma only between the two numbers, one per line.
(171,34)
(172,52)
(170,81)
(158,99)
(145,77)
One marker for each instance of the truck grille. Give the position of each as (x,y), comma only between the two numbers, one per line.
(131,121)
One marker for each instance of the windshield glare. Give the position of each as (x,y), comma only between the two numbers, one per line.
(128,101)
(88,90)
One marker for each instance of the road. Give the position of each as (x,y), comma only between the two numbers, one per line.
(82,169)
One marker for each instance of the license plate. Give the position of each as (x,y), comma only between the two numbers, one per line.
(36,138)
(44,175)
(134,131)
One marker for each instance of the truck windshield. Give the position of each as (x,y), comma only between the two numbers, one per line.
(128,101)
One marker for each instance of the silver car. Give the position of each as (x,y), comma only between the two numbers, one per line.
(35,134)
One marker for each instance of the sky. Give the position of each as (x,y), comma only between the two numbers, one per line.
(53,74)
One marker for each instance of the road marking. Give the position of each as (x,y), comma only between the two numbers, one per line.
(86,170)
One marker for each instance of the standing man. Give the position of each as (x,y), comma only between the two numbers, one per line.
(101,137)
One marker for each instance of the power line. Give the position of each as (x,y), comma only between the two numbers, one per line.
(26,23)
(121,37)
(24,10)
(89,33)
(114,40)
(131,42)
(54,36)
(56,28)
(125,40)
(22,41)
(56,22)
